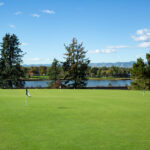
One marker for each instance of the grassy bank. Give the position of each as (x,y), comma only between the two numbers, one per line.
(109,78)
(35,78)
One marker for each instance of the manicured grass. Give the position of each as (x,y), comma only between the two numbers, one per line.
(109,78)
(37,78)
(74,120)
(93,78)
(40,77)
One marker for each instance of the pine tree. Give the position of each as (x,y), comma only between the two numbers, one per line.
(75,65)
(141,74)
(10,62)
(148,66)
(55,74)
(148,71)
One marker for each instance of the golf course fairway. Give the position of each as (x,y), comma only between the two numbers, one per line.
(74,120)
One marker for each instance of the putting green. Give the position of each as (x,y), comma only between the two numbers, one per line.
(74,120)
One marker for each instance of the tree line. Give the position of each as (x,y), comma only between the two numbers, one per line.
(73,72)
(74,67)
(92,72)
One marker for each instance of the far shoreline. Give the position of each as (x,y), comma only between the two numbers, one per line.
(44,79)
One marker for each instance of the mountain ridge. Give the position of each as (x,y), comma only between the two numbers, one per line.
(117,64)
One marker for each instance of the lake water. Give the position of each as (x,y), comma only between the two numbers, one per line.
(90,83)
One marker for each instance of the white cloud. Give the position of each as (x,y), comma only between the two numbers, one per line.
(35,59)
(24,44)
(35,15)
(12,26)
(109,49)
(104,51)
(1,3)
(140,38)
(140,55)
(18,13)
(117,47)
(142,31)
(144,45)
(51,12)
(142,35)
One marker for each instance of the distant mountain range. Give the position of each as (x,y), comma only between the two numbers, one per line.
(36,65)
(117,64)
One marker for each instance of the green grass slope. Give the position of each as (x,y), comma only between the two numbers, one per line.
(74,120)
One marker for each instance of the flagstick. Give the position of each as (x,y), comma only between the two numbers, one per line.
(60,88)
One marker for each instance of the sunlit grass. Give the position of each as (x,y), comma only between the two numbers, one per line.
(74,120)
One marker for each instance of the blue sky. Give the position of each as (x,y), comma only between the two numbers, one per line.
(111,30)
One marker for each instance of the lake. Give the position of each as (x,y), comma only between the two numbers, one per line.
(90,83)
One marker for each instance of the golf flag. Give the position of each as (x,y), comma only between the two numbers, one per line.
(27,93)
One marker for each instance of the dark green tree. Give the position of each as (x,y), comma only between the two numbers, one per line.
(148,66)
(148,71)
(10,62)
(55,74)
(75,65)
(139,69)
(42,70)
(141,74)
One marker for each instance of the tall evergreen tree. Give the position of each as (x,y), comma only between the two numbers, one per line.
(141,74)
(75,65)
(55,74)
(10,62)
(148,66)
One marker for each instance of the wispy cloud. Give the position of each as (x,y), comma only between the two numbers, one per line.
(142,35)
(35,59)
(24,44)
(1,3)
(12,26)
(104,51)
(109,49)
(118,47)
(144,45)
(18,13)
(35,15)
(140,55)
(47,11)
